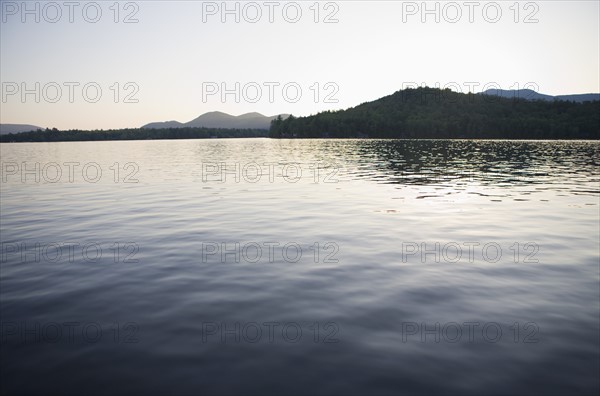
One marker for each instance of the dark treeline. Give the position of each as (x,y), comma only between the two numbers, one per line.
(55,135)
(431,113)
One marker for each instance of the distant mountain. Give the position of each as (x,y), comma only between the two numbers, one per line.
(17,128)
(217,119)
(529,94)
(430,113)
(166,124)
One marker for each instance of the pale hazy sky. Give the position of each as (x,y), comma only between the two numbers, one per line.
(179,52)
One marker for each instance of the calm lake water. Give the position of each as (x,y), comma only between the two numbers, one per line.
(257,266)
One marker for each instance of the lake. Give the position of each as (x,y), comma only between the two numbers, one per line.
(259,266)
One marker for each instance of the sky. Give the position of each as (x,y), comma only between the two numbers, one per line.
(123,64)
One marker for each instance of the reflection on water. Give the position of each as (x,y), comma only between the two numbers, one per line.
(489,163)
(250,266)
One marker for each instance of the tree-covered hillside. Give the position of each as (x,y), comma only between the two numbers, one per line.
(433,113)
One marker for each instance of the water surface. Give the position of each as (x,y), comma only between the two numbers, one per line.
(383,301)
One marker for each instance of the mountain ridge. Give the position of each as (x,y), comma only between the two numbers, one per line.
(529,94)
(5,129)
(219,119)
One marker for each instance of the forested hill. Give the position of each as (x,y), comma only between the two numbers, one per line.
(432,113)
